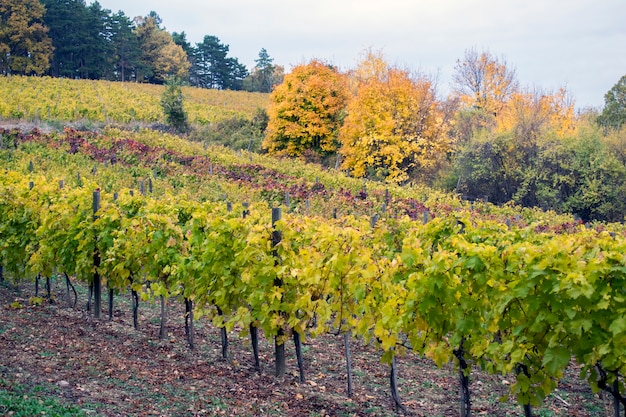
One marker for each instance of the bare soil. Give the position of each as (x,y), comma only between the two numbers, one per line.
(110,369)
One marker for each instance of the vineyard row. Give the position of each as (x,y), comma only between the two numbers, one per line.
(455,289)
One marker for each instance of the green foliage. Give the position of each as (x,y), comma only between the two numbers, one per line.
(480,168)
(597,180)
(75,29)
(511,298)
(172,104)
(236,132)
(614,113)
(21,405)
(578,173)
(212,68)
(265,75)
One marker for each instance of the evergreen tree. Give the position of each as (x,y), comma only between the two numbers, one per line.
(125,45)
(213,69)
(237,73)
(210,57)
(80,50)
(172,102)
(266,69)
(264,76)
(98,62)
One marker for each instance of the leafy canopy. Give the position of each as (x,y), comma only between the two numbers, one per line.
(614,112)
(306,111)
(25,47)
(394,125)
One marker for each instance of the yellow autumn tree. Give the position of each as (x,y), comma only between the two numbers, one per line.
(162,57)
(306,111)
(394,125)
(532,113)
(25,47)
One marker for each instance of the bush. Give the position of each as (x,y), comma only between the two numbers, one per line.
(236,132)
(172,104)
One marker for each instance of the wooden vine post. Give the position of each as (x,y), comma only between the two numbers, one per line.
(279,345)
(459,353)
(31,185)
(223,332)
(97,285)
(393,371)
(346,344)
(254,331)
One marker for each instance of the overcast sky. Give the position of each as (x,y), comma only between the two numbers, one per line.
(576,44)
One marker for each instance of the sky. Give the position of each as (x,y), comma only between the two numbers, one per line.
(576,44)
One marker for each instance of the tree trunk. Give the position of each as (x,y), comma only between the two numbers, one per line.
(279,355)
(298,344)
(616,402)
(48,289)
(68,285)
(528,412)
(37,286)
(224,337)
(189,322)
(464,382)
(393,382)
(110,304)
(97,291)
(89,295)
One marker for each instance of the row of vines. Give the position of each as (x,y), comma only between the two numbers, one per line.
(121,158)
(455,288)
(53,99)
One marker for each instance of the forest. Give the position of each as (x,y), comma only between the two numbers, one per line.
(491,139)
(70,39)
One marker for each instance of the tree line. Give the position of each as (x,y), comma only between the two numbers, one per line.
(490,139)
(68,38)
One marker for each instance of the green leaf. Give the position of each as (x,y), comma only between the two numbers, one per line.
(618,325)
(555,359)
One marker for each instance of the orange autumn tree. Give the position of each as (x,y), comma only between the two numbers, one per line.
(306,111)
(394,127)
